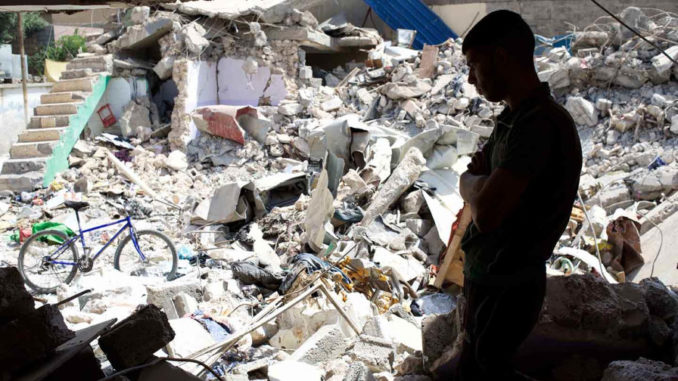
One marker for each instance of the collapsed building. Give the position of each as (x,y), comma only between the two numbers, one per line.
(314,209)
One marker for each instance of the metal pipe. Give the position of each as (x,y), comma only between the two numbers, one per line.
(79,294)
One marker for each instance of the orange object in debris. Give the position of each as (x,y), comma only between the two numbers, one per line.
(223,120)
(106,115)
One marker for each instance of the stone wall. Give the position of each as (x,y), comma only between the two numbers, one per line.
(546,17)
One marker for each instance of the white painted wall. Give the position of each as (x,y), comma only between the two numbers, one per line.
(237,88)
(460,17)
(118,94)
(12,110)
(201,88)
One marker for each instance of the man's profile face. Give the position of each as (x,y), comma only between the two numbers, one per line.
(484,73)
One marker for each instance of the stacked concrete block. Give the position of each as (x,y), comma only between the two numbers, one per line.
(134,340)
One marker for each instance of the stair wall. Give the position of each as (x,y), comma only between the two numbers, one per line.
(58,161)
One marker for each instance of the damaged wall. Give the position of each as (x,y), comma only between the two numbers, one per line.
(197,86)
(119,93)
(241,89)
(545,17)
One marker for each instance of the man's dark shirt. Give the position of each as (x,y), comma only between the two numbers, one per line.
(539,139)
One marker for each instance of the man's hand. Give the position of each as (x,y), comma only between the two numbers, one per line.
(479,164)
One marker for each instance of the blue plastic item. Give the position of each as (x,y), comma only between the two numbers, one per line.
(185,252)
(656,163)
(542,43)
(415,15)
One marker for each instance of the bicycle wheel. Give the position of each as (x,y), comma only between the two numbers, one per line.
(35,258)
(159,255)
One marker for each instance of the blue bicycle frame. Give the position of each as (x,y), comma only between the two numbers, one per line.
(128,224)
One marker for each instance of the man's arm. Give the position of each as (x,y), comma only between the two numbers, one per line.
(492,198)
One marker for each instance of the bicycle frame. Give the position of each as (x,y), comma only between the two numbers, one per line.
(128,225)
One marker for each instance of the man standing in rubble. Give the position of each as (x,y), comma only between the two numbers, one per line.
(520,188)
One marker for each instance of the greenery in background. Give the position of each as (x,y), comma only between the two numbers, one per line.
(64,50)
(8,24)
(32,22)
(67,47)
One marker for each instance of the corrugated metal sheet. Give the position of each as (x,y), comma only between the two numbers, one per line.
(413,14)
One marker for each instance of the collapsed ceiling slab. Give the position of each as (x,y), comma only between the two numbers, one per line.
(70,6)
(270,11)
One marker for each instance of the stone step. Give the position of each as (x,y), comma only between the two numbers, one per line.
(49,121)
(76,73)
(96,63)
(41,135)
(19,166)
(65,97)
(31,150)
(56,109)
(80,84)
(21,182)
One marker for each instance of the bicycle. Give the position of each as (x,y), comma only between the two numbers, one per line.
(51,249)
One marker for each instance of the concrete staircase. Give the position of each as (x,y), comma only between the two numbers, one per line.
(42,148)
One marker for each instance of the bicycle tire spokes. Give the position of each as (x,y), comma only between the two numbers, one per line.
(39,265)
(147,254)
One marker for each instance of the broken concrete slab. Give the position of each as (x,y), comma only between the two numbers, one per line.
(190,336)
(193,36)
(177,161)
(320,211)
(226,205)
(185,304)
(402,178)
(294,371)
(139,15)
(325,344)
(377,353)
(414,89)
(407,269)
(406,336)
(642,369)
(143,36)
(135,115)
(162,295)
(164,67)
(583,112)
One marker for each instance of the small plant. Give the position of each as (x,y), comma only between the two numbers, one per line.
(67,47)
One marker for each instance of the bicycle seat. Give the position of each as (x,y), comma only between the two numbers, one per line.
(76,205)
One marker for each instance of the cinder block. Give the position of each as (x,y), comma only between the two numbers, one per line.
(162,295)
(325,344)
(134,340)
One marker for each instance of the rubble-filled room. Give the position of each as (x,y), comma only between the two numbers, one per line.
(270,189)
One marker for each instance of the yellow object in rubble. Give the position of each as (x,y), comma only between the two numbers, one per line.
(53,70)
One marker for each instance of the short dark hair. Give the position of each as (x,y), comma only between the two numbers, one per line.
(502,28)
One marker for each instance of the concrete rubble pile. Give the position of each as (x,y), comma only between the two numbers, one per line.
(586,324)
(622,94)
(309,215)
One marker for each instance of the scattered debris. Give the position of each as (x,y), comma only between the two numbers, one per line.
(311,208)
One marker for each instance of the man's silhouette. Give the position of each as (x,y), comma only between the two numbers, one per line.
(521,187)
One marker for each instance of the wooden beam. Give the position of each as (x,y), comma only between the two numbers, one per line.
(24,80)
(454,254)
